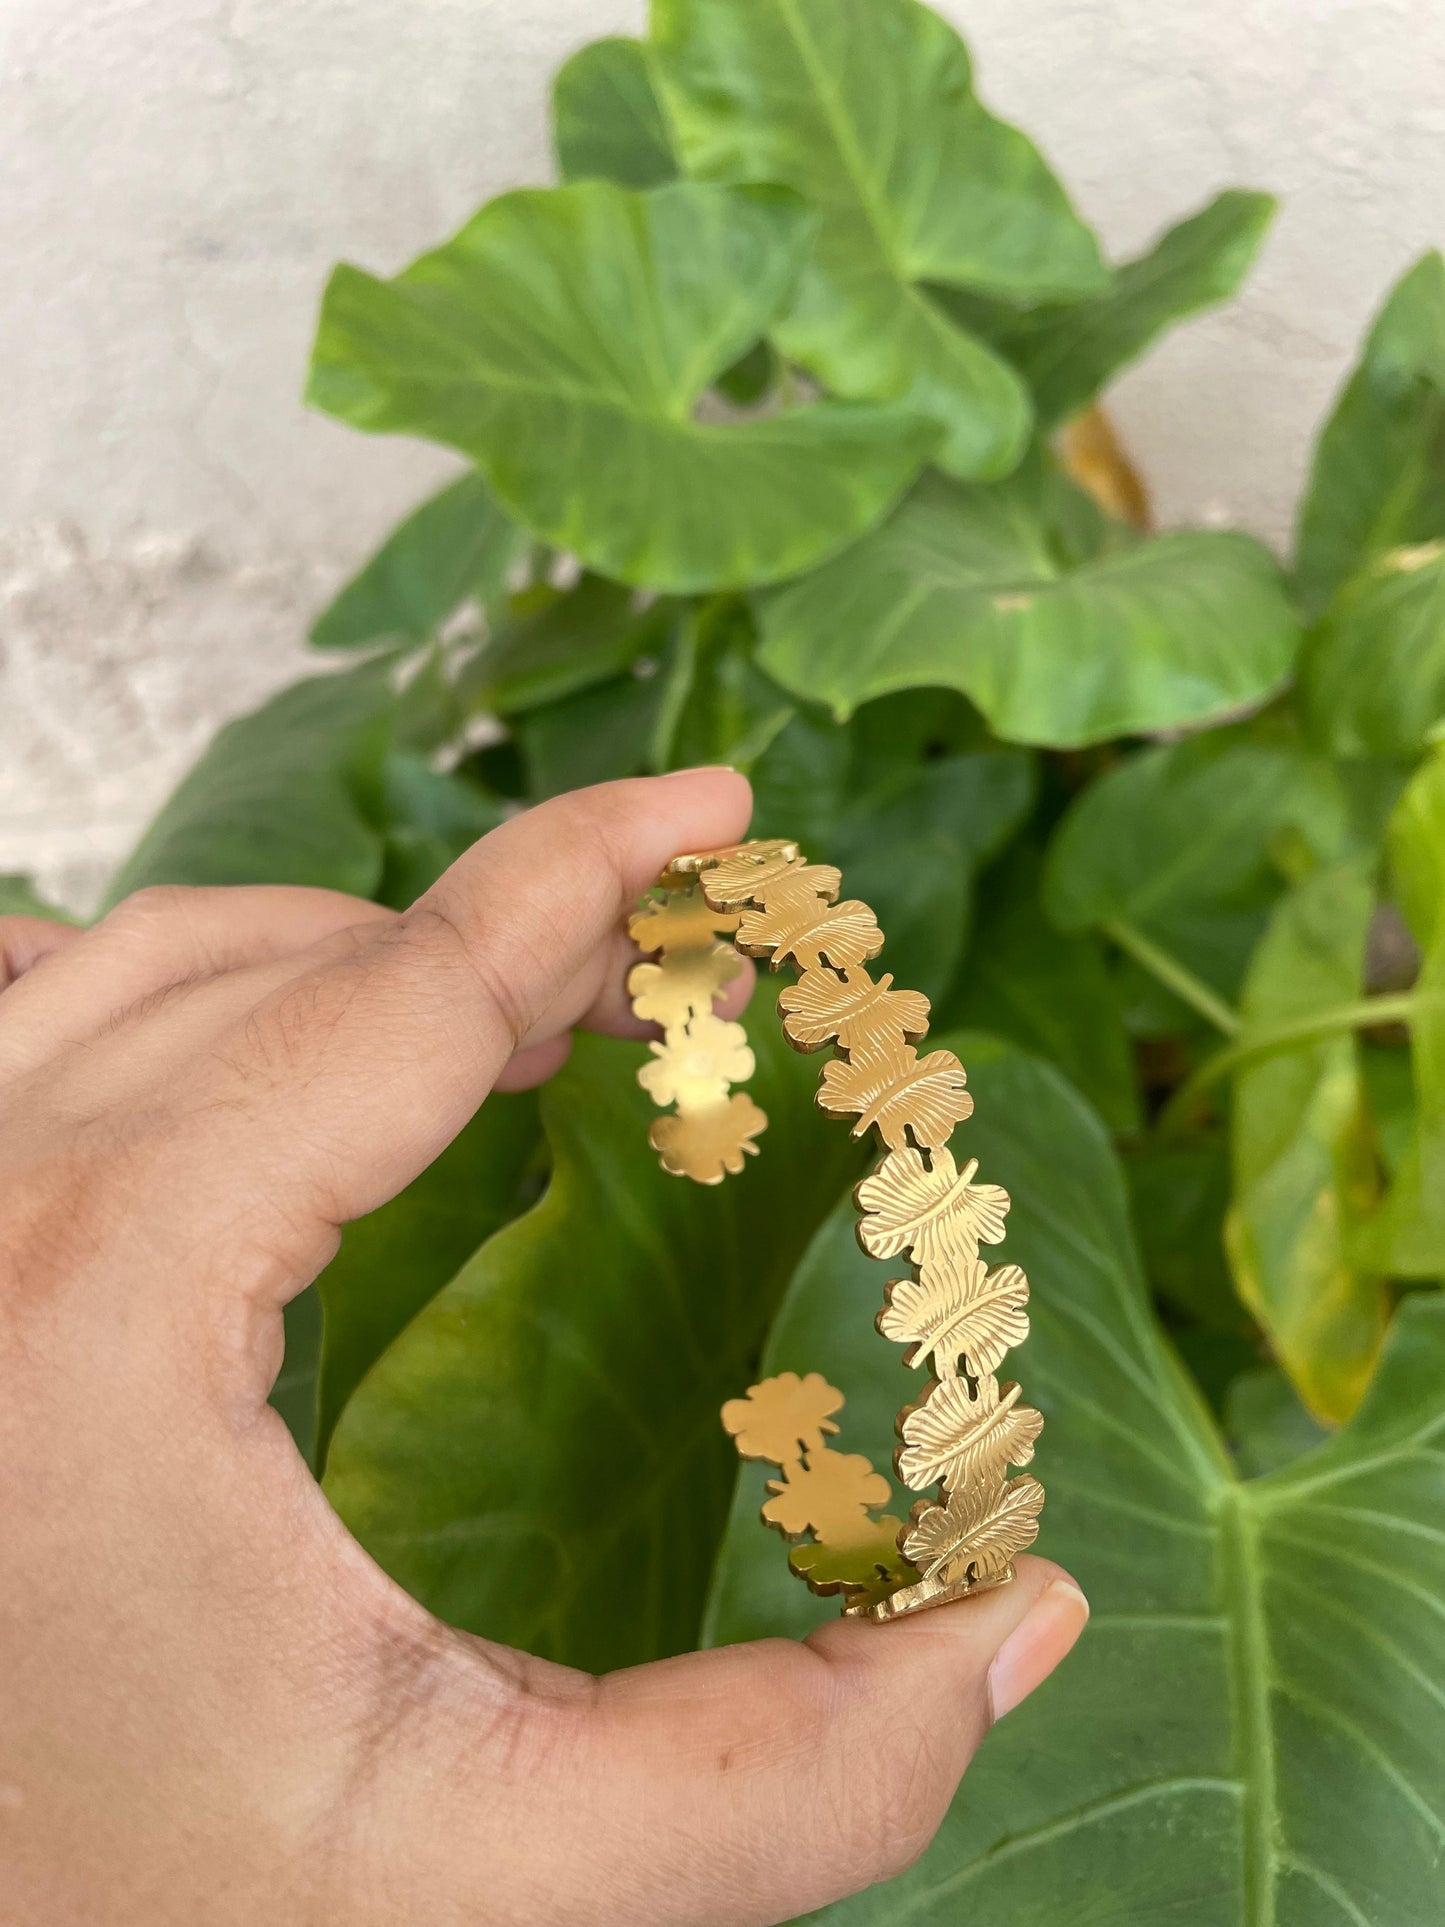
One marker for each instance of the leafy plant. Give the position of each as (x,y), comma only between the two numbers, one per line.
(761,407)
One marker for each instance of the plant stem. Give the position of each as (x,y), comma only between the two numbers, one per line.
(1400,1008)
(1173,975)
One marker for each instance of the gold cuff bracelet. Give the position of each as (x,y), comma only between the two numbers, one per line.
(960,1440)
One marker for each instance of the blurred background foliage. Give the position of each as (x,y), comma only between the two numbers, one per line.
(784,451)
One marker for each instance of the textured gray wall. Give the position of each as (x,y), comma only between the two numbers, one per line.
(179,174)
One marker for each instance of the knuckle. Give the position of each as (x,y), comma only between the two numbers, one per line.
(438,927)
(147,912)
(285,1030)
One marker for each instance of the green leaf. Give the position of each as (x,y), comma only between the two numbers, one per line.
(948,818)
(1408,1238)
(574,641)
(1266,1424)
(20,898)
(393,1263)
(1251,1728)
(538,1455)
(1175,843)
(599,733)
(591,320)
(606,122)
(1069,352)
(1179,1193)
(1377,481)
(431,817)
(294,1393)
(717,706)
(1303,1151)
(1372,678)
(288,794)
(961,587)
(866,109)
(456,545)
(1048,991)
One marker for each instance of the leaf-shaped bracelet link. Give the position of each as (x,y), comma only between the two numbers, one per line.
(953,1311)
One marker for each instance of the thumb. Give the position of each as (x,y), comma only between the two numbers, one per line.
(772,1778)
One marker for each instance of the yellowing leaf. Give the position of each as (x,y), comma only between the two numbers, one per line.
(978,1528)
(958,1309)
(958,1436)
(861,1014)
(907,1099)
(933,1210)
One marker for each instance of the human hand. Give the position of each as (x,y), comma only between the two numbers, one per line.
(214,1708)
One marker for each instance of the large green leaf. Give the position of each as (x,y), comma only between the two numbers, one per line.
(1251,1729)
(288,794)
(20,898)
(866,796)
(1049,991)
(866,108)
(456,545)
(393,1263)
(962,587)
(431,817)
(1409,1236)
(1068,352)
(606,123)
(1372,679)
(1378,478)
(717,705)
(1175,842)
(1303,1150)
(912,845)
(538,1455)
(572,642)
(562,340)
(598,733)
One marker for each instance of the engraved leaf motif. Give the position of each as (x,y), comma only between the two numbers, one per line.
(706,1145)
(783,1417)
(958,1308)
(799,883)
(959,1437)
(935,1211)
(901,1094)
(739,873)
(861,1014)
(980,1526)
(672,992)
(830,1494)
(846,934)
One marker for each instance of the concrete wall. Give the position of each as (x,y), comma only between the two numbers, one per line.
(178,175)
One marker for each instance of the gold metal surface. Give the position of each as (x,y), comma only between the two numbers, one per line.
(952,1311)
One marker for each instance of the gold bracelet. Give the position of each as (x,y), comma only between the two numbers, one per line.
(966,1432)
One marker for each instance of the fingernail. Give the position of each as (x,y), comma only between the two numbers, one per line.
(1033,1649)
(705,769)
